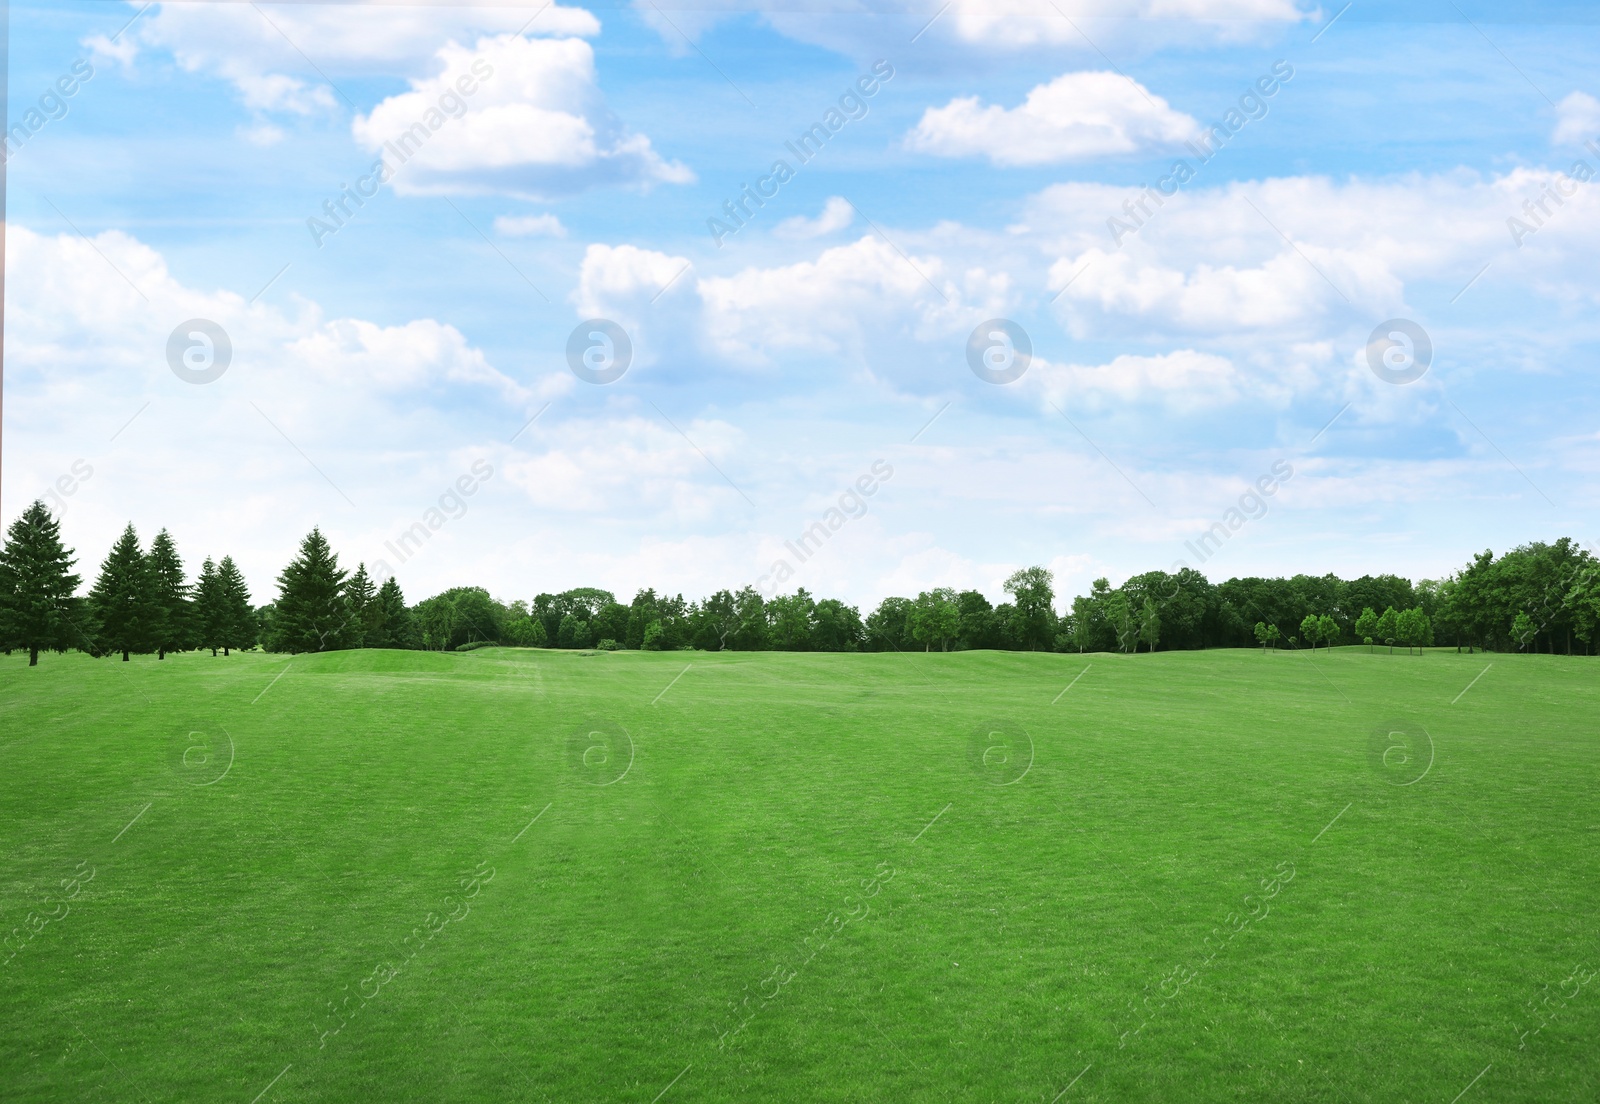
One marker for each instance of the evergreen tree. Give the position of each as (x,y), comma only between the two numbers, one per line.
(238,618)
(37,609)
(121,599)
(391,625)
(359,595)
(168,601)
(209,612)
(311,614)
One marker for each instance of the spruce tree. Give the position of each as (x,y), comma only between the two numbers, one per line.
(359,595)
(210,611)
(311,614)
(391,625)
(169,597)
(37,609)
(121,598)
(238,621)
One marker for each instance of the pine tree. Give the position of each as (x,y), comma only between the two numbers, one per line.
(121,598)
(238,616)
(359,595)
(391,625)
(37,609)
(311,614)
(169,597)
(210,610)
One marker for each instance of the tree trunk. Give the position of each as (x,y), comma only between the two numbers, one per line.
(33,657)
(124,655)
(224,650)
(161,653)
(213,651)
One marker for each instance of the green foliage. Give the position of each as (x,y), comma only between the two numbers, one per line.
(573,633)
(359,600)
(169,607)
(311,614)
(1033,593)
(654,637)
(392,625)
(1149,623)
(889,626)
(122,601)
(37,609)
(936,619)
(459,616)
(1389,627)
(1367,626)
(240,624)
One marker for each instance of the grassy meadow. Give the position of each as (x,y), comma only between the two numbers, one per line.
(520,875)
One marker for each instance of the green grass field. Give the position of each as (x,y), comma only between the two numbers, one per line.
(1190,876)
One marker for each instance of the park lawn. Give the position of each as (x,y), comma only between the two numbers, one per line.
(1203,882)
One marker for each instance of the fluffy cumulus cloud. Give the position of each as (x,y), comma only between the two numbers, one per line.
(852,299)
(1074,117)
(1577,120)
(516,115)
(1295,255)
(259,49)
(270,447)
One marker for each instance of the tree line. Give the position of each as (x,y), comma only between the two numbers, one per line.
(1537,597)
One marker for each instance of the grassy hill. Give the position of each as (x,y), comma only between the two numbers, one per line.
(535,875)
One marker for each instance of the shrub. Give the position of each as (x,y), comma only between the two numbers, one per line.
(608,645)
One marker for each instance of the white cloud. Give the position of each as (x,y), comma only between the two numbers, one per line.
(1209,261)
(528,226)
(836,215)
(1074,117)
(515,115)
(615,279)
(852,298)
(1577,120)
(1025,23)
(258,50)
(1003,25)
(1185,380)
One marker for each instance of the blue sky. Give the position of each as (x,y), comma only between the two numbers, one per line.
(1171,369)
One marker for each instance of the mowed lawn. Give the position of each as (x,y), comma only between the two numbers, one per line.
(396,876)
